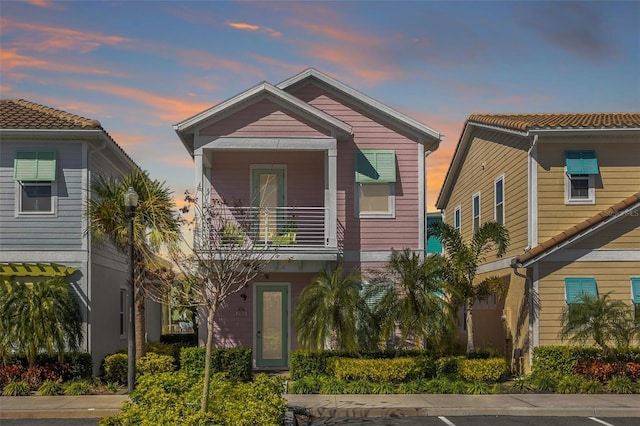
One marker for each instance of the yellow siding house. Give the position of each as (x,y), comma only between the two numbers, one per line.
(566,186)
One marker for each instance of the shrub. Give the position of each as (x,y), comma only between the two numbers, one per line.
(478,388)
(116,368)
(377,370)
(412,387)
(569,384)
(305,385)
(447,367)
(490,370)
(620,385)
(259,402)
(331,386)
(9,373)
(235,362)
(591,386)
(182,340)
(50,388)
(546,382)
(383,388)
(361,387)
(445,386)
(172,350)
(77,387)
(80,365)
(303,363)
(17,388)
(522,384)
(153,363)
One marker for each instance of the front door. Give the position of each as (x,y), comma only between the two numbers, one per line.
(272,331)
(267,195)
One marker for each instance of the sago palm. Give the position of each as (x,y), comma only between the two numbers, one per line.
(599,318)
(462,262)
(39,317)
(412,301)
(155,224)
(327,311)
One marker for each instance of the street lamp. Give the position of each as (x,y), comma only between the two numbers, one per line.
(130,203)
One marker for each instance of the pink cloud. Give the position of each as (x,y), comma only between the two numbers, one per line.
(180,161)
(52,39)
(46,4)
(10,60)
(337,34)
(130,141)
(252,27)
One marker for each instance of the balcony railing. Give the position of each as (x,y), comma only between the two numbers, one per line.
(288,227)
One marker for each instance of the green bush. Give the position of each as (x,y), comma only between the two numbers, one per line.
(182,340)
(478,388)
(50,388)
(563,359)
(546,382)
(303,363)
(522,384)
(377,370)
(153,363)
(17,388)
(235,362)
(591,386)
(569,384)
(447,367)
(77,387)
(172,350)
(492,370)
(306,385)
(331,386)
(115,368)
(383,388)
(620,385)
(359,387)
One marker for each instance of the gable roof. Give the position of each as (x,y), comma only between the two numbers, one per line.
(524,125)
(368,102)
(20,114)
(185,128)
(578,231)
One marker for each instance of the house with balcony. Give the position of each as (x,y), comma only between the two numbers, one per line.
(326,174)
(566,188)
(48,158)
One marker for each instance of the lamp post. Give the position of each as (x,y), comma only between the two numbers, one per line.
(130,203)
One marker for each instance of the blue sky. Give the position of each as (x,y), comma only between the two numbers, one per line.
(141,66)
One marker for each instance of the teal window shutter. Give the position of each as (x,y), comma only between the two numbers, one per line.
(32,166)
(376,166)
(635,289)
(576,287)
(581,162)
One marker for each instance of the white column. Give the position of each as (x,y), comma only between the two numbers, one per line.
(331,197)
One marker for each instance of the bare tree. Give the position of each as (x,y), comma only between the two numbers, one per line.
(225,257)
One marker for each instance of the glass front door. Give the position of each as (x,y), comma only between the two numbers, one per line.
(272,342)
(267,194)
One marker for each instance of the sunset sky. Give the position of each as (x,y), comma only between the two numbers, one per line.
(141,66)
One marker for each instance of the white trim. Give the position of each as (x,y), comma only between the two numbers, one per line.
(458,209)
(29,256)
(587,255)
(37,214)
(361,97)
(591,197)
(495,202)
(422,197)
(265,144)
(473,212)
(370,255)
(255,321)
(534,312)
(532,186)
(331,197)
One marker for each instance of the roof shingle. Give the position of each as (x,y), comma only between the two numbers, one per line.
(21,114)
(525,122)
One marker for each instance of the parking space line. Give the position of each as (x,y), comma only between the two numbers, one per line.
(446,421)
(600,421)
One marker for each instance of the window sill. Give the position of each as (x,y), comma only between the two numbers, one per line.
(377,216)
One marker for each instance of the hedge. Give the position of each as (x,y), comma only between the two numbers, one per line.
(563,360)
(235,362)
(394,370)
(491,370)
(78,364)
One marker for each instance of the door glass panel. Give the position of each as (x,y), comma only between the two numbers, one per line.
(268,202)
(272,325)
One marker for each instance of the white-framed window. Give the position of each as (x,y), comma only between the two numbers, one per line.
(457,218)
(123,312)
(476,211)
(581,167)
(35,175)
(375,179)
(498,200)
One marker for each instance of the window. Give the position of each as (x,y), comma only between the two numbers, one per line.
(375,177)
(123,310)
(498,191)
(577,288)
(581,168)
(456,218)
(35,175)
(635,298)
(476,212)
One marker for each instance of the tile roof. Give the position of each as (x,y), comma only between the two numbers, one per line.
(576,229)
(525,122)
(21,114)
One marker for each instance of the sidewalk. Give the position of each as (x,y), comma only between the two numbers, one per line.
(602,405)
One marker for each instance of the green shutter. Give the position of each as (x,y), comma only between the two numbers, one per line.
(635,289)
(576,287)
(35,166)
(581,162)
(376,166)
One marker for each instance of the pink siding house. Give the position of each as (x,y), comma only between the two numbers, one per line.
(344,170)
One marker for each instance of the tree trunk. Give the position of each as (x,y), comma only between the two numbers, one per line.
(140,326)
(207,361)
(469,322)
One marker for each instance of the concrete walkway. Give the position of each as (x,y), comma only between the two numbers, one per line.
(602,405)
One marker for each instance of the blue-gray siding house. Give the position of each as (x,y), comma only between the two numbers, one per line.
(47,160)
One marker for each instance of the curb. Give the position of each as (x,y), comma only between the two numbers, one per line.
(72,413)
(466,411)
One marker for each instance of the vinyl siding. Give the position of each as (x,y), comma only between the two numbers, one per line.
(622,235)
(371,133)
(490,155)
(62,231)
(611,277)
(619,164)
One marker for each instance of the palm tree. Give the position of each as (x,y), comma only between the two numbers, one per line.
(39,317)
(462,261)
(412,302)
(155,224)
(601,319)
(328,310)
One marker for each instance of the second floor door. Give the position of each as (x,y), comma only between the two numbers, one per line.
(268,198)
